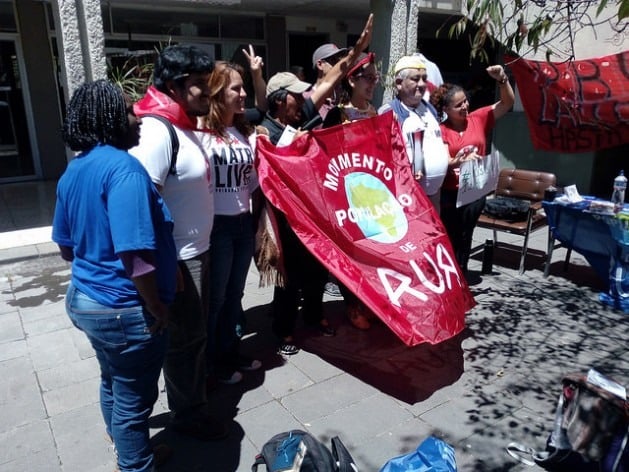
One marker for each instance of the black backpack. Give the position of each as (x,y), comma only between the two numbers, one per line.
(507,208)
(173,139)
(298,451)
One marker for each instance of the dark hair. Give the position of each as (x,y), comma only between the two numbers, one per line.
(277,96)
(441,97)
(97,114)
(174,62)
(219,81)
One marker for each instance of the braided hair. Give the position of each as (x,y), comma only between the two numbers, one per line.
(97,114)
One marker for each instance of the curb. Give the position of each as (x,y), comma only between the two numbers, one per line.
(23,253)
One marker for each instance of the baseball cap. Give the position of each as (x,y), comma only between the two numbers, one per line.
(286,81)
(325,51)
(408,62)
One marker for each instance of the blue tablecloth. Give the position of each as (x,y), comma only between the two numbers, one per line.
(603,239)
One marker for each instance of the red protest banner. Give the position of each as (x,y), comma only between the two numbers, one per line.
(349,194)
(575,106)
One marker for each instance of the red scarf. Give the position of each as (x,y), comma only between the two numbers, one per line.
(158,103)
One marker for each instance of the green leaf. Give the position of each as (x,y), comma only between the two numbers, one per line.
(601,7)
(623,10)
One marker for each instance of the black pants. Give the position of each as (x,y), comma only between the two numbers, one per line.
(460,223)
(305,280)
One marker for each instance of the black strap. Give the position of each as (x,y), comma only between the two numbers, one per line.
(259,461)
(344,460)
(173,140)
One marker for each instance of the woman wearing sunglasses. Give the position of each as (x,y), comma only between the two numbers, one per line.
(358,88)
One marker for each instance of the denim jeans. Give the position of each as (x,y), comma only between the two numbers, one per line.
(130,360)
(231,253)
(184,367)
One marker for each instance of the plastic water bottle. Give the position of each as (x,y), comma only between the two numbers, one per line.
(618,195)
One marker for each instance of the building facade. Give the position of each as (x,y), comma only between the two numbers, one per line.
(48,47)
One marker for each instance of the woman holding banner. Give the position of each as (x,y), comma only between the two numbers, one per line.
(358,87)
(465,136)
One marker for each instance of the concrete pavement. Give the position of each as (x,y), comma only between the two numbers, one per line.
(494,383)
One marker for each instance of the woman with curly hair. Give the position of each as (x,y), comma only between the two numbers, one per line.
(465,134)
(112,224)
(230,146)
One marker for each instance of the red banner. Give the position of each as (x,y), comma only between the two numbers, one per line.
(349,195)
(575,106)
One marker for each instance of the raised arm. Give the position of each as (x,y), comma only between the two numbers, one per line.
(336,73)
(259,84)
(507,97)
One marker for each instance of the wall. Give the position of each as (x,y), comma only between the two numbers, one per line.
(513,140)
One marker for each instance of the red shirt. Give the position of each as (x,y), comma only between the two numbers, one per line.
(479,123)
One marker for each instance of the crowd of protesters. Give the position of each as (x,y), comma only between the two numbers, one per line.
(158,214)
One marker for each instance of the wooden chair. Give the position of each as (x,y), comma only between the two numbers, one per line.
(526,185)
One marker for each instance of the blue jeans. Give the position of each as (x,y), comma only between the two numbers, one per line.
(231,253)
(130,359)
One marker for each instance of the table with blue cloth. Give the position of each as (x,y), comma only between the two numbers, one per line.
(601,237)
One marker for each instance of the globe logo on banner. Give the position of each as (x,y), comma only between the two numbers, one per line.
(374,208)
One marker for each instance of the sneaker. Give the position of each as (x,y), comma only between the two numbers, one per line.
(287,349)
(332,290)
(248,364)
(230,379)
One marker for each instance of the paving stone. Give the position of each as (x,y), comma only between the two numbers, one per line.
(68,374)
(10,327)
(47,325)
(314,367)
(12,350)
(372,453)
(81,440)
(285,379)
(52,349)
(40,461)
(24,441)
(20,397)
(265,421)
(71,397)
(368,417)
(42,312)
(327,397)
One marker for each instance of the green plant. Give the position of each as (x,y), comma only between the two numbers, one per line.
(133,76)
(525,26)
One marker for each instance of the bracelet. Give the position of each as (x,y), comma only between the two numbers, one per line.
(503,81)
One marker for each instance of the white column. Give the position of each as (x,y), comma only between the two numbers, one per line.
(80,41)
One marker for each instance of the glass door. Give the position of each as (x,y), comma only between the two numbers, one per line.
(16,158)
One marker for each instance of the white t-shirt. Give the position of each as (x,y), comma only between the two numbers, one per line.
(189,194)
(427,154)
(233,173)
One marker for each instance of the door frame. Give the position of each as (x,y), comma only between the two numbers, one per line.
(28,111)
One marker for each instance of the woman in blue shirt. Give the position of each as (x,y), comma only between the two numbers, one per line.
(112,224)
